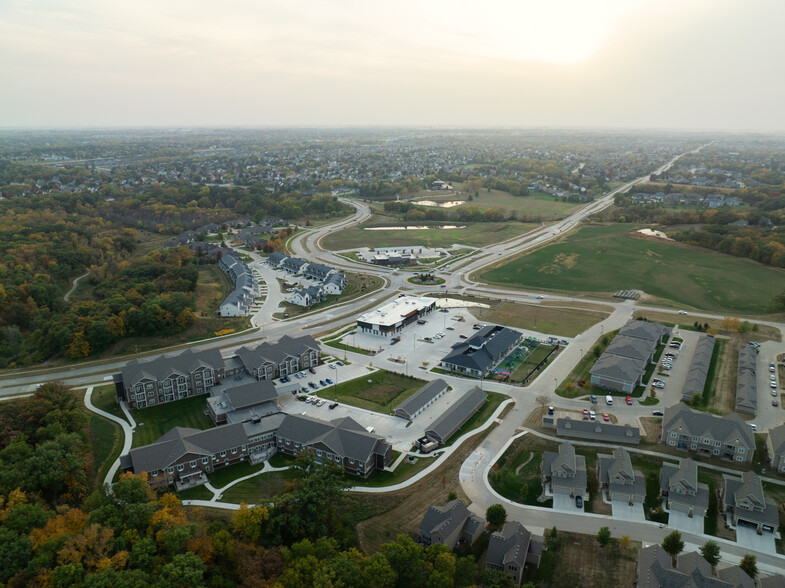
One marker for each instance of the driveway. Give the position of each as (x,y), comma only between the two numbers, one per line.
(622,511)
(679,520)
(563,503)
(748,537)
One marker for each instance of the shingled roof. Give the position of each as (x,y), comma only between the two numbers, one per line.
(452,419)
(163,366)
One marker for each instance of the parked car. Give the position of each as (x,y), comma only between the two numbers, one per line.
(659,385)
(585,414)
(550,410)
(606,417)
(328,380)
(332,366)
(320,403)
(774,402)
(657,413)
(592,415)
(339,363)
(333,405)
(771,368)
(462,336)
(450,328)
(312,385)
(629,401)
(310,369)
(302,398)
(593,399)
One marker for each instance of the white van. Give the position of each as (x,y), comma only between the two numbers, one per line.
(609,400)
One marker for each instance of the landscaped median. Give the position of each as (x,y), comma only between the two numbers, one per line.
(379,391)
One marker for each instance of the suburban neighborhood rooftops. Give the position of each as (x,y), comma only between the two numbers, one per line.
(644,330)
(446,519)
(162,367)
(632,347)
(568,427)
(699,368)
(693,423)
(616,367)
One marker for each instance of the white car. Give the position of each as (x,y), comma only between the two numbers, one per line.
(540,297)
(592,415)
(682,312)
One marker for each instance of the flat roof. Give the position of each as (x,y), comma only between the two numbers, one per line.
(393,312)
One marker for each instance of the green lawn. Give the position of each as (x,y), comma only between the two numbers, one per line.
(104,398)
(564,322)
(106,439)
(570,388)
(380,391)
(157,420)
(482,415)
(603,259)
(261,488)
(523,487)
(474,234)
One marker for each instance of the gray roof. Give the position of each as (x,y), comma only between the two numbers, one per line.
(776,581)
(481,350)
(681,483)
(420,398)
(455,416)
(632,347)
(568,427)
(510,545)
(335,277)
(276,352)
(616,367)
(181,441)
(446,519)
(251,394)
(727,429)
(644,330)
(655,570)
(699,368)
(293,263)
(344,437)
(276,258)
(318,269)
(163,366)
(736,577)
(749,487)
(746,382)
(567,470)
(777,439)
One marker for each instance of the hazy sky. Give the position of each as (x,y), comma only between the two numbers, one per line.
(697,64)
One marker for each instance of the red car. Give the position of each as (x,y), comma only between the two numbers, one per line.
(605,417)
(585,414)
(463,336)
(629,401)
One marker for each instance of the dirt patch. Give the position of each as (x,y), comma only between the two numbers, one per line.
(652,428)
(724,399)
(380,394)
(408,506)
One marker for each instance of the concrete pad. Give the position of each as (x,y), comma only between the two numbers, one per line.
(563,503)
(685,524)
(624,512)
(749,538)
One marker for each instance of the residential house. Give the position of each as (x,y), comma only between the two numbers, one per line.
(317,271)
(632,347)
(510,549)
(169,377)
(287,356)
(617,373)
(699,368)
(681,490)
(645,330)
(293,265)
(656,570)
(775,446)
(450,524)
(619,480)
(275,259)
(422,399)
(727,437)
(334,283)
(746,381)
(744,503)
(480,353)
(239,300)
(307,296)
(564,472)
(597,431)
(456,415)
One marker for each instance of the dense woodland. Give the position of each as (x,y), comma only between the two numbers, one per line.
(57,530)
(47,240)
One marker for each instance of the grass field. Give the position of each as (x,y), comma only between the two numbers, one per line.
(603,259)
(106,439)
(564,322)
(262,488)
(155,421)
(379,391)
(474,234)
(104,398)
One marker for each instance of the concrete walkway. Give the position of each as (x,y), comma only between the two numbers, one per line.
(128,431)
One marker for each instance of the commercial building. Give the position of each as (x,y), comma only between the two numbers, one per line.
(390,319)
(477,355)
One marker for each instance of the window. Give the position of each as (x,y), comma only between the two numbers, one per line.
(740,450)
(716,452)
(192,464)
(234,450)
(205,460)
(243,448)
(693,446)
(337,458)
(223,454)
(739,458)
(170,470)
(154,473)
(674,434)
(328,455)
(180,468)
(695,438)
(318,453)
(351,462)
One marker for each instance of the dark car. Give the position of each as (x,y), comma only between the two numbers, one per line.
(321,383)
(657,413)
(579,502)
(550,410)
(333,405)
(340,363)
(313,371)
(593,399)
(312,385)
(329,381)
(302,398)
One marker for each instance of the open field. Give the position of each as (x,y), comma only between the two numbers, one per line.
(474,234)
(603,259)
(757,332)
(379,391)
(578,561)
(563,322)
(536,204)
(154,421)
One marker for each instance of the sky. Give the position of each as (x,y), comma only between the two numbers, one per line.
(664,64)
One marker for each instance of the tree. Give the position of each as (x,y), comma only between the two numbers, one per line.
(673,544)
(542,400)
(604,536)
(247,523)
(496,514)
(625,541)
(597,351)
(749,563)
(711,552)
(451,496)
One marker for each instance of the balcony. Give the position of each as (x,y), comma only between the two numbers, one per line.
(190,481)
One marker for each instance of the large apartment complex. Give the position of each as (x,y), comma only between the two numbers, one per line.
(728,437)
